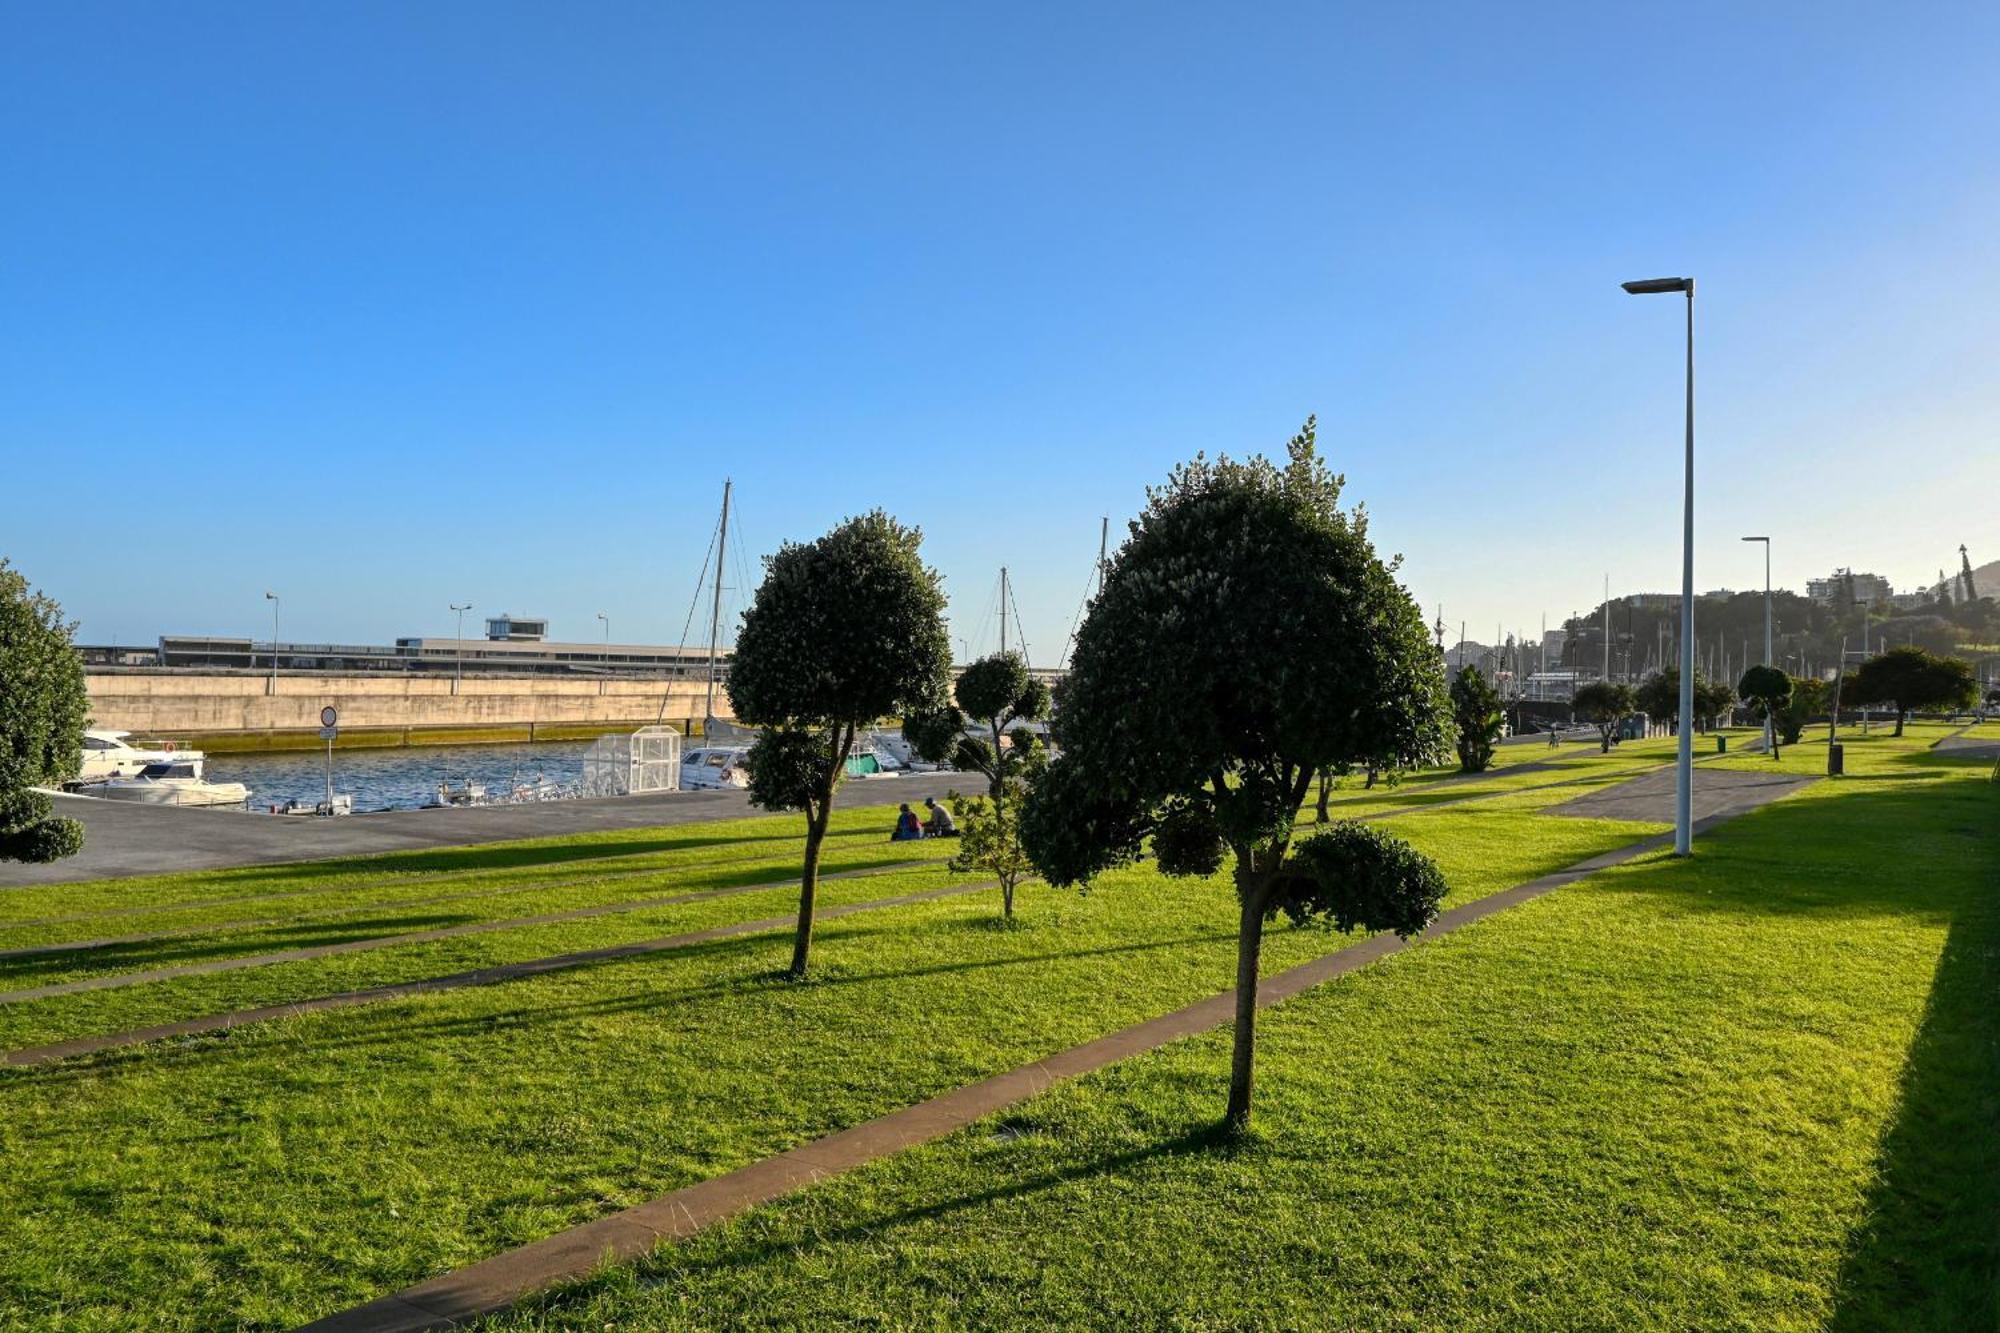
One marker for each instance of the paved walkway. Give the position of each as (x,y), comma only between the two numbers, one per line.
(485,976)
(1967,747)
(123,838)
(493,1284)
(1718,794)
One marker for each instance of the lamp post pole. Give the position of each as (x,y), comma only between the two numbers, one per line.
(272,598)
(458,655)
(1768,725)
(607,650)
(1684,776)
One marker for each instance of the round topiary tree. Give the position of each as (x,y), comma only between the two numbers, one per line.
(1247,637)
(1604,705)
(1477,714)
(843,631)
(1766,689)
(995,694)
(43,711)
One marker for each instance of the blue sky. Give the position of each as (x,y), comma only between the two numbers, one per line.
(392,306)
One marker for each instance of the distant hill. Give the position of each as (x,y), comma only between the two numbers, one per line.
(1986,579)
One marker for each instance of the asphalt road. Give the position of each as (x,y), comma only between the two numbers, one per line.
(123,839)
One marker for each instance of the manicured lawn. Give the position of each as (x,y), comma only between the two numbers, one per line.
(1759,1090)
(286,1169)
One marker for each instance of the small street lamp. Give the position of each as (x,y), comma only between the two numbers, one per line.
(272,598)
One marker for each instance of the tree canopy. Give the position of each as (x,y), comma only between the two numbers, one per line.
(1604,704)
(43,711)
(994,694)
(1909,680)
(1478,718)
(1247,637)
(844,631)
(1766,689)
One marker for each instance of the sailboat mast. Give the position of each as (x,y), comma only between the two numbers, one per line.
(1003,608)
(715,611)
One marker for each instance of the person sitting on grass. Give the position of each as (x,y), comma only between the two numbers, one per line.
(940,824)
(907,827)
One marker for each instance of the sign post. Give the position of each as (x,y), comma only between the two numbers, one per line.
(327,730)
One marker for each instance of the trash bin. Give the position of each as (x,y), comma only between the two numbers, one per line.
(1722,745)
(1836,755)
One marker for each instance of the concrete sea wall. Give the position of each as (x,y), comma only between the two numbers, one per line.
(227,711)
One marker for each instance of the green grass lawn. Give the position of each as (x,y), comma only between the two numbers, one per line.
(1759,1090)
(286,1169)
(1754,1091)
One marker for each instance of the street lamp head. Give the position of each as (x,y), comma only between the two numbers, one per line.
(1756,539)
(1652,286)
(270,597)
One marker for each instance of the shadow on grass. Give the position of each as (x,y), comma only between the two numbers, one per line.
(1212,1140)
(1928,1253)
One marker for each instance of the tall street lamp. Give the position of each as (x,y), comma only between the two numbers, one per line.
(1684,778)
(272,598)
(1770,726)
(458,655)
(1767,595)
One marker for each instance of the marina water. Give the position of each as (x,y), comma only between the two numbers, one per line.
(396,779)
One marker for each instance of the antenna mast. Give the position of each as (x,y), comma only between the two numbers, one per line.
(715,612)
(1003,608)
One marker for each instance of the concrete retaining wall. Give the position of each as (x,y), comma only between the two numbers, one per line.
(234,710)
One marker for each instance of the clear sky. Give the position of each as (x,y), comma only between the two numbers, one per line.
(392,306)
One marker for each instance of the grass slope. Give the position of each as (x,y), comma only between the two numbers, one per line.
(1758,1090)
(284,1170)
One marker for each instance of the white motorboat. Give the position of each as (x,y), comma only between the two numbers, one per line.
(107,754)
(177,781)
(469,792)
(715,768)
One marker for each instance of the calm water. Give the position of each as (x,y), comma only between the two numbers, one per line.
(400,779)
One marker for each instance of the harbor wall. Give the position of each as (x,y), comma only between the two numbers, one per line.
(235,711)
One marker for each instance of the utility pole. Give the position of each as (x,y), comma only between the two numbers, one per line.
(1103,550)
(1607,627)
(714,615)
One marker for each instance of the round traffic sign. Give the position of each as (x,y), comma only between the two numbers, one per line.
(328,716)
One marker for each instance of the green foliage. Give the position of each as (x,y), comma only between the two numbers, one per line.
(1909,679)
(43,711)
(989,838)
(1767,690)
(1477,714)
(1659,697)
(1355,875)
(844,630)
(788,767)
(994,693)
(1808,698)
(1604,704)
(1247,637)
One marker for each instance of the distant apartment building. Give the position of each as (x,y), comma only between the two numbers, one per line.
(1870,588)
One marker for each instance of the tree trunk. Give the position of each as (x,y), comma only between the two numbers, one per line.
(1007,898)
(1900,715)
(1325,794)
(809,889)
(1604,735)
(816,821)
(1243,1056)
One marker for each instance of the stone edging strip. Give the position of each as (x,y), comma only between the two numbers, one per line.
(493,1284)
(485,976)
